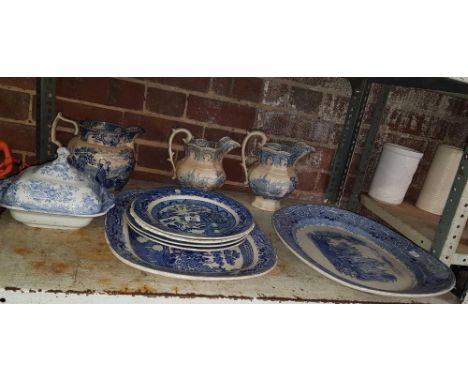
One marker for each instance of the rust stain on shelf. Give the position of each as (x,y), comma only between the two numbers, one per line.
(38,264)
(22,251)
(278,269)
(146,292)
(59,267)
(55,268)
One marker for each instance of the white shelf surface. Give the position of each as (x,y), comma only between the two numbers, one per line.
(38,265)
(417,225)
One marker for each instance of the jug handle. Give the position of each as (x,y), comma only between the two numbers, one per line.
(53,134)
(244,144)
(171,153)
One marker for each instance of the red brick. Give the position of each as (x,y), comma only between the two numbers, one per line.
(248,88)
(406,121)
(306,178)
(159,129)
(241,188)
(14,105)
(408,98)
(457,107)
(102,90)
(143,175)
(315,131)
(293,125)
(78,111)
(165,102)
(155,157)
(420,176)
(216,134)
(222,113)
(330,83)
(321,159)
(415,144)
(27,83)
(333,108)
(412,194)
(64,137)
(18,136)
(233,169)
(276,94)
(222,85)
(306,100)
(190,83)
(241,88)
(456,133)
(31,159)
(322,183)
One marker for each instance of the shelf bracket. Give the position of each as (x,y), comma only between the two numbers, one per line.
(357,104)
(45,113)
(353,203)
(454,216)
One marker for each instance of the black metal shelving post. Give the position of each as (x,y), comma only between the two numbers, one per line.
(45,113)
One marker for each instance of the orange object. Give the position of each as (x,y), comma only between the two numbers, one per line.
(6,166)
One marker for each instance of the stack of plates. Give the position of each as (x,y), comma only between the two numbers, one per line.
(187,233)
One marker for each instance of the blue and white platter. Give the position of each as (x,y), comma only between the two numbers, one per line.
(184,213)
(254,257)
(360,253)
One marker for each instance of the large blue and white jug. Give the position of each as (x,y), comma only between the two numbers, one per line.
(273,177)
(103,150)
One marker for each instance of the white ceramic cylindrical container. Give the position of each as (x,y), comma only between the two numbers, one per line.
(439,179)
(394,173)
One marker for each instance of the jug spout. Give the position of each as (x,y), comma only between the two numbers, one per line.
(299,150)
(226,144)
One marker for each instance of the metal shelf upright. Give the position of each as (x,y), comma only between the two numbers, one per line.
(448,231)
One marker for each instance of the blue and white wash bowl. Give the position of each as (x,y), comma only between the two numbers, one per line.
(105,151)
(273,177)
(54,195)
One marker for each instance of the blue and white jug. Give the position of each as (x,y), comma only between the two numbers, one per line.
(273,177)
(105,151)
(202,166)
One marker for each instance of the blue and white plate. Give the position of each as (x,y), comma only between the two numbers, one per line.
(189,245)
(360,253)
(191,214)
(252,258)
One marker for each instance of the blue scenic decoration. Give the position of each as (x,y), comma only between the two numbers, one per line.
(111,173)
(110,166)
(272,188)
(195,178)
(343,251)
(55,188)
(254,257)
(185,244)
(106,133)
(214,216)
(431,275)
(274,177)
(185,215)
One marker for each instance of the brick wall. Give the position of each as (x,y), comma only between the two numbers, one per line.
(286,109)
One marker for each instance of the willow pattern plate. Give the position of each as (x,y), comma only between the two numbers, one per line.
(191,214)
(252,258)
(178,244)
(360,253)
